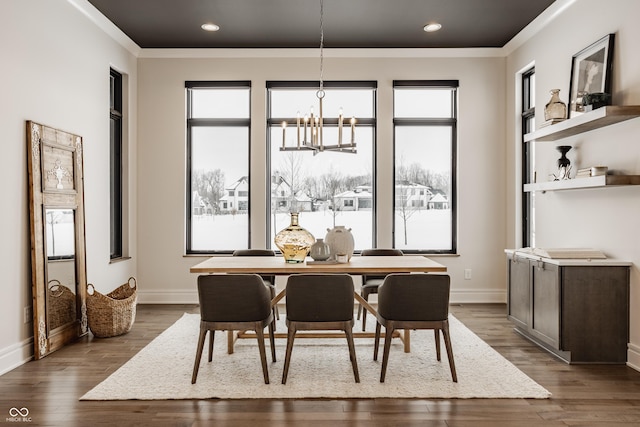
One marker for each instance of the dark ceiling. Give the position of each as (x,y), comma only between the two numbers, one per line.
(296,23)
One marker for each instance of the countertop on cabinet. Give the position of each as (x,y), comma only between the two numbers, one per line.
(569,261)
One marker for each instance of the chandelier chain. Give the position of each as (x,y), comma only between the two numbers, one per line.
(321,46)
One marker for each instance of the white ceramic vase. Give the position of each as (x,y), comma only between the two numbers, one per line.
(340,241)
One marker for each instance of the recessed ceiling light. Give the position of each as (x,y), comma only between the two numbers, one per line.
(210,27)
(430,28)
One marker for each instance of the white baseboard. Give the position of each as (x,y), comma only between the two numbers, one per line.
(168,297)
(633,356)
(15,355)
(474,296)
(467,296)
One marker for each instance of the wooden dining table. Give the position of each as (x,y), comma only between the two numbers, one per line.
(357,265)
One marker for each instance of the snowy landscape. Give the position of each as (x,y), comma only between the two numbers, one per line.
(427,229)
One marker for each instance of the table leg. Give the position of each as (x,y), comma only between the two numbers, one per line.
(230,342)
(407,341)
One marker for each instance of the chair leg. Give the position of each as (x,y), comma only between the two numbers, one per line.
(272,341)
(376,343)
(291,335)
(211,336)
(276,313)
(199,348)
(263,353)
(388,332)
(447,344)
(365,296)
(436,333)
(352,352)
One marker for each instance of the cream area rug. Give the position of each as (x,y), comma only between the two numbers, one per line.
(320,368)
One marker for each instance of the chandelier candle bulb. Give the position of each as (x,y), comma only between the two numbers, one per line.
(353,127)
(284,131)
(306,122)
(298,127)
(340,119)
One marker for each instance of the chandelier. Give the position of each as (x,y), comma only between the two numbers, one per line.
(309,129)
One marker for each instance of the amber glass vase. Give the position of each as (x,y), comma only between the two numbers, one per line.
(294,241)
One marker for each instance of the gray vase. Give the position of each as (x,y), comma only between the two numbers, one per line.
(320,251)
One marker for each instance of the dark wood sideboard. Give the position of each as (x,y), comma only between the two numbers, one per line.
(577,309)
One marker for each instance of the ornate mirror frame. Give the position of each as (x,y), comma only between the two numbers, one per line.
(58,264)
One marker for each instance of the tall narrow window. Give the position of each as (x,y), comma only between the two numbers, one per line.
(218,125)
(115,162)
(328,188)
(528,125)
(425,123)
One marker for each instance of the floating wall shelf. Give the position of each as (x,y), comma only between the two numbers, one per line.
(586,122)
(588,182)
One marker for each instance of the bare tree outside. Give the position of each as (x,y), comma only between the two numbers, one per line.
(292,170)
(333,184)
(403,191)
(210,187)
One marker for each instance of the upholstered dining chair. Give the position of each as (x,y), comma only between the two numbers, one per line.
(414,301)
(319,302)
(370,283)
(232,302)
(269,280)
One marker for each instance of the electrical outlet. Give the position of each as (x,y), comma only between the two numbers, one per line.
(28,314)
(467,274)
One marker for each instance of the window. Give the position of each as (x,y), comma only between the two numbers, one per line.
(115,164)
(322,187)
(528,125)
(218,125)
(425,123)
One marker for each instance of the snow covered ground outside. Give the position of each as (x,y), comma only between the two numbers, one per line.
(427,229)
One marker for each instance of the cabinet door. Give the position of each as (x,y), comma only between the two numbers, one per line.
(519,293)
(545,302)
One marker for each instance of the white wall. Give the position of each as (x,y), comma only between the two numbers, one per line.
(606,219)
(55,71)
(161,165)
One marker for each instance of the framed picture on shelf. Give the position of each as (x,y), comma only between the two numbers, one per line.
(590,73)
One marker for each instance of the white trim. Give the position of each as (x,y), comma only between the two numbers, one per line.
(15,355)
(478,296)
(328,53)
(535,26)
(105,25)
(168,297)
(633,356)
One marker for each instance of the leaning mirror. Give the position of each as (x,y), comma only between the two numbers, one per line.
(58,265)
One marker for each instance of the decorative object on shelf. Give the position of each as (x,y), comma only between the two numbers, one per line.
(294,241)
(592,171)
(309,131)
(320,251)
(555,109)
(564,164)
(340,241)
(593,101)
(590,73)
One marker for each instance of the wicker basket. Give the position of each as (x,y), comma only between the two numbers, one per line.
(61,304)
(112,314)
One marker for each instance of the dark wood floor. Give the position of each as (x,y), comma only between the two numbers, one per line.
(582,395)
